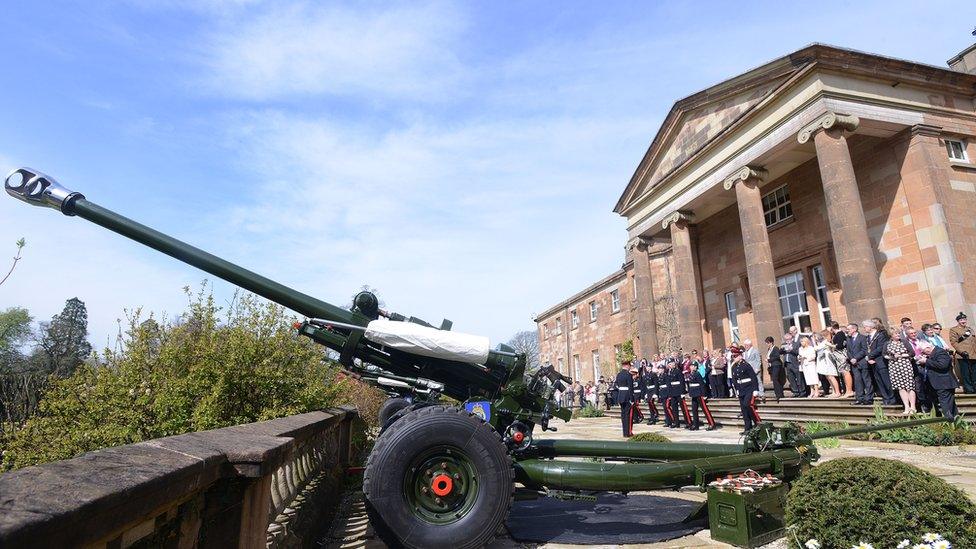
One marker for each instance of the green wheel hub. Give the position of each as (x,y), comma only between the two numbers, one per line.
(440,485)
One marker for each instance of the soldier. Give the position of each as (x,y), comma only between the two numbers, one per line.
(675,381)
(625,398)
(681,399)
(744,378)
(637,416)
(650,381)
(696,391)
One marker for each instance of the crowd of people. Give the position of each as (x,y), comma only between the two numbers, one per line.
(905,365)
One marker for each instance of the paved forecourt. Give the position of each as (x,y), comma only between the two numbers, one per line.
(956,465)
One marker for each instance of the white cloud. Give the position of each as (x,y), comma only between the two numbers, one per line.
(311,48)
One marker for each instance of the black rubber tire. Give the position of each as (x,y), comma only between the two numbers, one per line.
(389,408)
(416,432)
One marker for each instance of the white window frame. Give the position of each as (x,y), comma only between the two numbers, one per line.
(777,206)
(545,331)
(559,326)
(576,367)
(617,349)
(633,282)
(615,301)
(574,319)
(593,311)
(559,364)
(791,317)
(731,312)
(962,155)
(595,353)
(820,292)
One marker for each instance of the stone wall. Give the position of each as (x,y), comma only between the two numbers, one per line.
(266,484)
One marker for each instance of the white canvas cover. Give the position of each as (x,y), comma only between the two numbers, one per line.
(421,340)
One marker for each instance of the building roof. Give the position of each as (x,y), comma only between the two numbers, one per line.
(779,70)
(589,290)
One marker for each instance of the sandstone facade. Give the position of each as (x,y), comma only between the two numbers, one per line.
(825,185)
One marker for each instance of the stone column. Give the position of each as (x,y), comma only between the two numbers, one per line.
(686,287)
(926,186)
(646,317)
(859,278)
(764,297)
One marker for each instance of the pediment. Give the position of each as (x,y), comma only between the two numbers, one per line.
(689,128)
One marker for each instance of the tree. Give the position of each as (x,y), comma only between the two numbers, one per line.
(64,341)
(626,352)
(228,366)
(20,246)
(15,328)
(527,342)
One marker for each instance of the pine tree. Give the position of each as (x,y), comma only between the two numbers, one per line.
(64,341)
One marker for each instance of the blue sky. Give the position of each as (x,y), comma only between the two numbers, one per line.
(463,158)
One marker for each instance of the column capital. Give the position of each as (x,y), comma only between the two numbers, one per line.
(926,129)
(827,121)
(743,174)
(682,217)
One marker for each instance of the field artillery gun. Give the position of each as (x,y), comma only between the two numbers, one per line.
(442,475)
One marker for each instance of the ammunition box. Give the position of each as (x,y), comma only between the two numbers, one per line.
(748,519)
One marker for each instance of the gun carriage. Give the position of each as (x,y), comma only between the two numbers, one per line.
(446,476)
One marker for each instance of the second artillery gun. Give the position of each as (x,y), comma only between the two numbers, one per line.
(442,475)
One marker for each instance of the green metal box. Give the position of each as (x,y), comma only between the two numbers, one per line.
(747,520)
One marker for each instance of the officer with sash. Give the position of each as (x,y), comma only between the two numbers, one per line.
(696,392)
(747,384)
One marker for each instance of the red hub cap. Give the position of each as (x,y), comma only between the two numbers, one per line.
(441,485)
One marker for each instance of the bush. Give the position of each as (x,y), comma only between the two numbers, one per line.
(819,427)
(938,434)
(649,437)
(845,501)
(204,371)
(588,411)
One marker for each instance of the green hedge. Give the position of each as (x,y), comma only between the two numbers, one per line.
(846,501)
(649,437)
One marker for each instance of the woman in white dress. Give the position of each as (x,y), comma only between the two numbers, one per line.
(825,361)
(808,364)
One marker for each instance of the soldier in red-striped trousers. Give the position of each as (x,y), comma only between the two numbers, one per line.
(696,391)
(747,384)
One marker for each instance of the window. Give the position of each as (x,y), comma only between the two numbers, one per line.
(730,310)
(615,301)
(776,206)
(793,302)
(559,364)
(545,331)
(593,311)
(576,367)
(633,284)
(617,349)
(820,281)
(956,150)
(596,364)
(574,319)
(559,326)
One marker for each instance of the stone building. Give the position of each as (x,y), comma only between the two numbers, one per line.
(826,185)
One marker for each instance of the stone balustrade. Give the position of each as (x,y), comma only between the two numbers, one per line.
(266,484)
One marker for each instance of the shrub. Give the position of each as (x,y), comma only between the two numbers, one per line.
(206,370)
(845,501)
(814,427)
(588,411)
(937,434)
(649,437)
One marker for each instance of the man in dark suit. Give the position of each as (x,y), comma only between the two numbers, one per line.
(789,354)
(774,364)
(857,355)
(938,365)
(877,343)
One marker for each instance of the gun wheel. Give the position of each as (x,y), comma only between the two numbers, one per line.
(389,408)
(438,477)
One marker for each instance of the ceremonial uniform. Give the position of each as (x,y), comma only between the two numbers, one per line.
(675,380)
(625,399)
(744,378)
(650,383)
(696,392)
(637,416)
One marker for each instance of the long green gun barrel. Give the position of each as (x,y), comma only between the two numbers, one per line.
(871,428)
(38,189)
(334,327)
